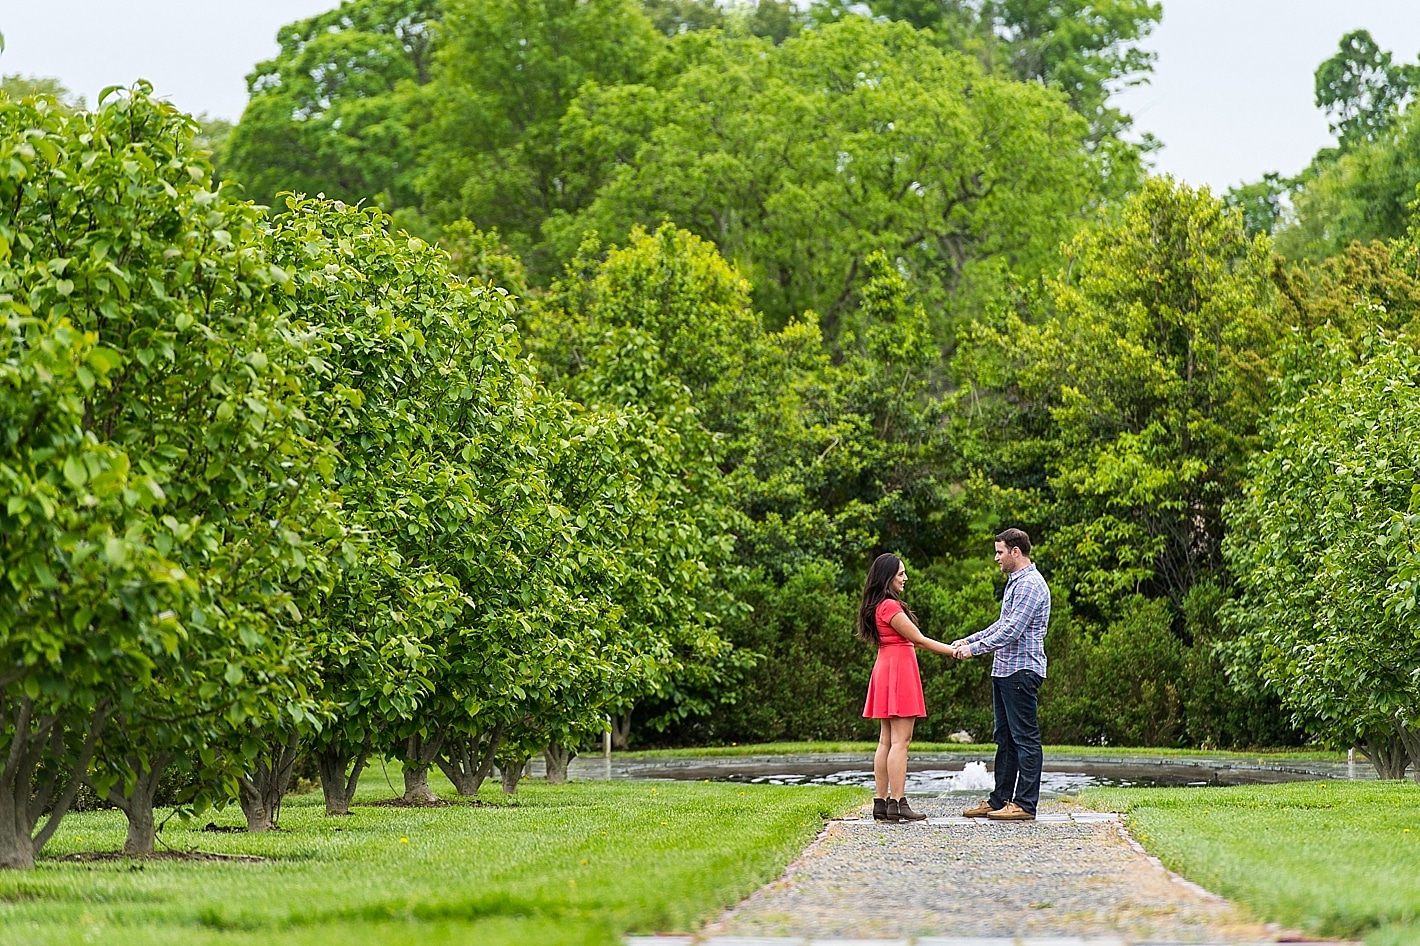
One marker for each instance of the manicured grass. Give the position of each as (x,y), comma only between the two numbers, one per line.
(1332,858)
(575,864)
(1104,752)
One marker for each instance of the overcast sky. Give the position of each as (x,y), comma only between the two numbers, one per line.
(1231,97)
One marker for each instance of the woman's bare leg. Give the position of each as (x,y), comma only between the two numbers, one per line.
(880,760)
(901,736)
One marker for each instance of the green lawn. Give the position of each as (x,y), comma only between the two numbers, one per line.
(837,748)
(575,864)
(1332,858)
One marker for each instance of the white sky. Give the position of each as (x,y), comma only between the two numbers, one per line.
(1231,97)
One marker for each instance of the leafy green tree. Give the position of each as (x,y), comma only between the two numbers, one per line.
(66,541)
(483,258)
(1362,88)
(798,161)
(220,480)
(1129,412)
(842,461)
(824,464)
(1263,203)
(528,559)
(673,17)
(18,86)
(1361,189)
(1085,48)
(1323,542)
(507,71)
(1363,194)
(642,335)
(395,335)
(1367,288)
(1120,687)
(441,476)
(328,114)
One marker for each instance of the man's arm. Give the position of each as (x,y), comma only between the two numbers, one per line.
(984,632)
(1012,624)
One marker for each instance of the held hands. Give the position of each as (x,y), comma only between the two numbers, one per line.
(961,650)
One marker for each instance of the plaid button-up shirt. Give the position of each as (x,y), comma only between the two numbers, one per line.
(1018,638)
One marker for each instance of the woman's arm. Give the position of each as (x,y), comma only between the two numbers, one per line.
(904,626)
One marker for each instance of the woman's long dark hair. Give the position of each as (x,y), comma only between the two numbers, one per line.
(883,571)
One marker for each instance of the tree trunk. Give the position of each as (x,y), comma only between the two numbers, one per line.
(467,760)
(1410,739)
(419,755)
(23,801)
(512,772)
(138,807)
(141,831)
(340,772)
(1387,753)
(621,731)
(558,758)
(261,792)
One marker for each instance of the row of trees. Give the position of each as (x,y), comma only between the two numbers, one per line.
(277,485)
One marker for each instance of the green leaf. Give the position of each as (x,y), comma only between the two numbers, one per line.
(74,471)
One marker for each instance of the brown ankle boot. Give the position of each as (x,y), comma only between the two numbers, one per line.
(890,811)
(879,809)
(905,812)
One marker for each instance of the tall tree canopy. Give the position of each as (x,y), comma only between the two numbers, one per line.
(798,161)
(1085,48)
(328,114)
(535,118)
(1362,194)
(1362,88)
(508,71)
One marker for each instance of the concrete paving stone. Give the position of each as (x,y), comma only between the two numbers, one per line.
(755,941)
(1093,817)
(961,941)
(1060,818)
(659,940)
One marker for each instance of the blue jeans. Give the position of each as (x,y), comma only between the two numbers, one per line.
(1018,755)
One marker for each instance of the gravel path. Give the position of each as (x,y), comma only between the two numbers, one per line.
(983,880)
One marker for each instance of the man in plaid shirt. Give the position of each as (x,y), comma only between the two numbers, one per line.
(1018,642)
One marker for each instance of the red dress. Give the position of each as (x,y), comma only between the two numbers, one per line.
(896,685)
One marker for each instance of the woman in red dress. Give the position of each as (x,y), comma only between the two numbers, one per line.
(895,690)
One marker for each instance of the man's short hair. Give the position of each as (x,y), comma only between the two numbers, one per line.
(1015,539)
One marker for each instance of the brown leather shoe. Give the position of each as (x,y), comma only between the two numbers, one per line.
(980,810)
(890,811)
(1010,812)
(879,809)
(905,812)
